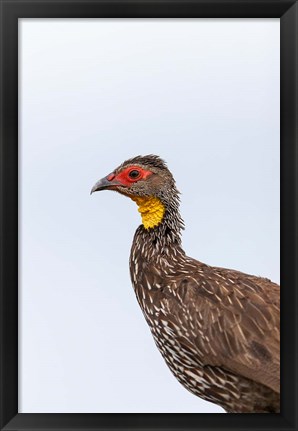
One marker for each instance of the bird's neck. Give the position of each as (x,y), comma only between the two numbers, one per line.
(161,229)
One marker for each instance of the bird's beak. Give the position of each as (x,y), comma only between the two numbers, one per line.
(104,184)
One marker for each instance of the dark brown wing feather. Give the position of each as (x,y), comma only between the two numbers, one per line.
(235,320)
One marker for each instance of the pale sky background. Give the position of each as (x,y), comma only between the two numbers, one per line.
(201,93)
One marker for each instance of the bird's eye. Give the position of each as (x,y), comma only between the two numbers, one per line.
(134,174)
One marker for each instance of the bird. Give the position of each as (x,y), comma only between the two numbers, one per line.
(217,329)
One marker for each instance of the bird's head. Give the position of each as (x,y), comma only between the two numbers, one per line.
(147,181)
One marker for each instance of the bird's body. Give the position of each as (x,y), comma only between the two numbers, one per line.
(217,329)
(213,326)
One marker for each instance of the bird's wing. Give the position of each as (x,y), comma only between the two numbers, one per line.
(235,320)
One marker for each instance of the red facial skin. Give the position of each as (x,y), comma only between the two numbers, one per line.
(124,179)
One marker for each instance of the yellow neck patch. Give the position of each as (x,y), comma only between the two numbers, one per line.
(151,209)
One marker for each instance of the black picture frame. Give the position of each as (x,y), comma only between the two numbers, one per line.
(11,11)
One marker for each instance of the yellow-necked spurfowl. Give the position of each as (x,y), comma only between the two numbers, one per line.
(217,329)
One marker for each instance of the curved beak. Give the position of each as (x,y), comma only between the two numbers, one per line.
(104,184)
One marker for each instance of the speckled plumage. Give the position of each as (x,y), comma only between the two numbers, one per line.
(217,329)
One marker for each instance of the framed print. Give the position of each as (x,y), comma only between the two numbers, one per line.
(189,110)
